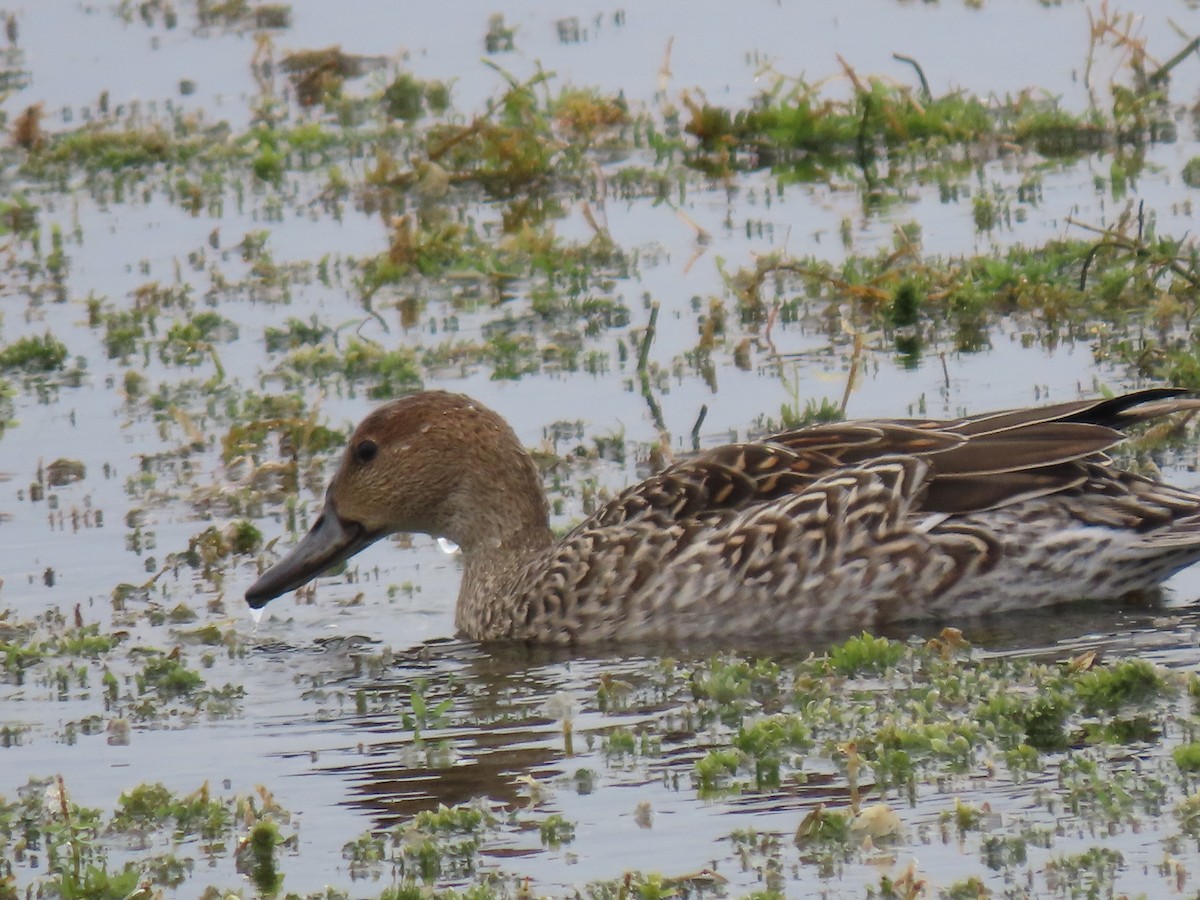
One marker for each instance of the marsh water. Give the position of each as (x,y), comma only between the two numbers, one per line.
(325,716)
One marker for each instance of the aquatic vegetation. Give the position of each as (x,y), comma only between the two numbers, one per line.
(911,304)
(892,727)
(865,654)
(256,856)
(318,76)
(190,343)
(81,844)
(511,146)
(797,127)
(390,372)
(34,354)
(99,148)
(409,98)
(169,678)
(296,334)
(1130,682)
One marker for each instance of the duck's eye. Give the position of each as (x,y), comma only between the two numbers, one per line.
(366,450)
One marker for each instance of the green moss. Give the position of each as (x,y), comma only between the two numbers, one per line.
(389,372)
(406,97)
(1131,730)
(190,342)
(409,891)
(714,769)
(86,642)
(18,657)
(123,333)
(169,678)
(259,418)
(181,614)
(1093,871)
(245,537)
(865,655)
(99,148)
(1041,720)
(1129,682)
(1187,757)
(730,682)
(1045,723)
(1188,810)
(556,831)
(1191,172)
(767,742)
(18,216)
(96,882)
(462,819)
(620,742)
(825,826)
(296,334)
(269,165)
(34,354)
(259,854)
(145,807)
(134,383)
(906,305)
(785,121)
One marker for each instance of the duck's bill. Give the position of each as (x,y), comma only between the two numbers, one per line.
(329,542)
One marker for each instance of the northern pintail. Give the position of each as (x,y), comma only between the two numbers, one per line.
(830,526)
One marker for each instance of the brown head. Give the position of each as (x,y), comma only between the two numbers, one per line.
(434,463)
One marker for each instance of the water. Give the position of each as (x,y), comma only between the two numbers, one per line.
(155,475)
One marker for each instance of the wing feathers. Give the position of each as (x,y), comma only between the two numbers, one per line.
(969,465)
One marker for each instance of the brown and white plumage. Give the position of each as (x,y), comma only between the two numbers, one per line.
(830,526)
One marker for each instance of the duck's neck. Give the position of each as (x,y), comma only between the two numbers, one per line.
(501,524)
(494,585)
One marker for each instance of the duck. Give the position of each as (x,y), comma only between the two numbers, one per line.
(840,526)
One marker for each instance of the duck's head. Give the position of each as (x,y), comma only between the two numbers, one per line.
(432,463)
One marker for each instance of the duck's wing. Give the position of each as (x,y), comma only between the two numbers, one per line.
(1024,453)
(975,463)
(1112,412)
(739,476)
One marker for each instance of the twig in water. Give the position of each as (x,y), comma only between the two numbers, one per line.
(655,410)
(771,317)
(1114,240)
(644,371)
(854,362)
(926,94)
(1161,73)
(696,427)
(648,338)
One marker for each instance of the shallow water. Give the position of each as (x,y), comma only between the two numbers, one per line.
(155,476)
